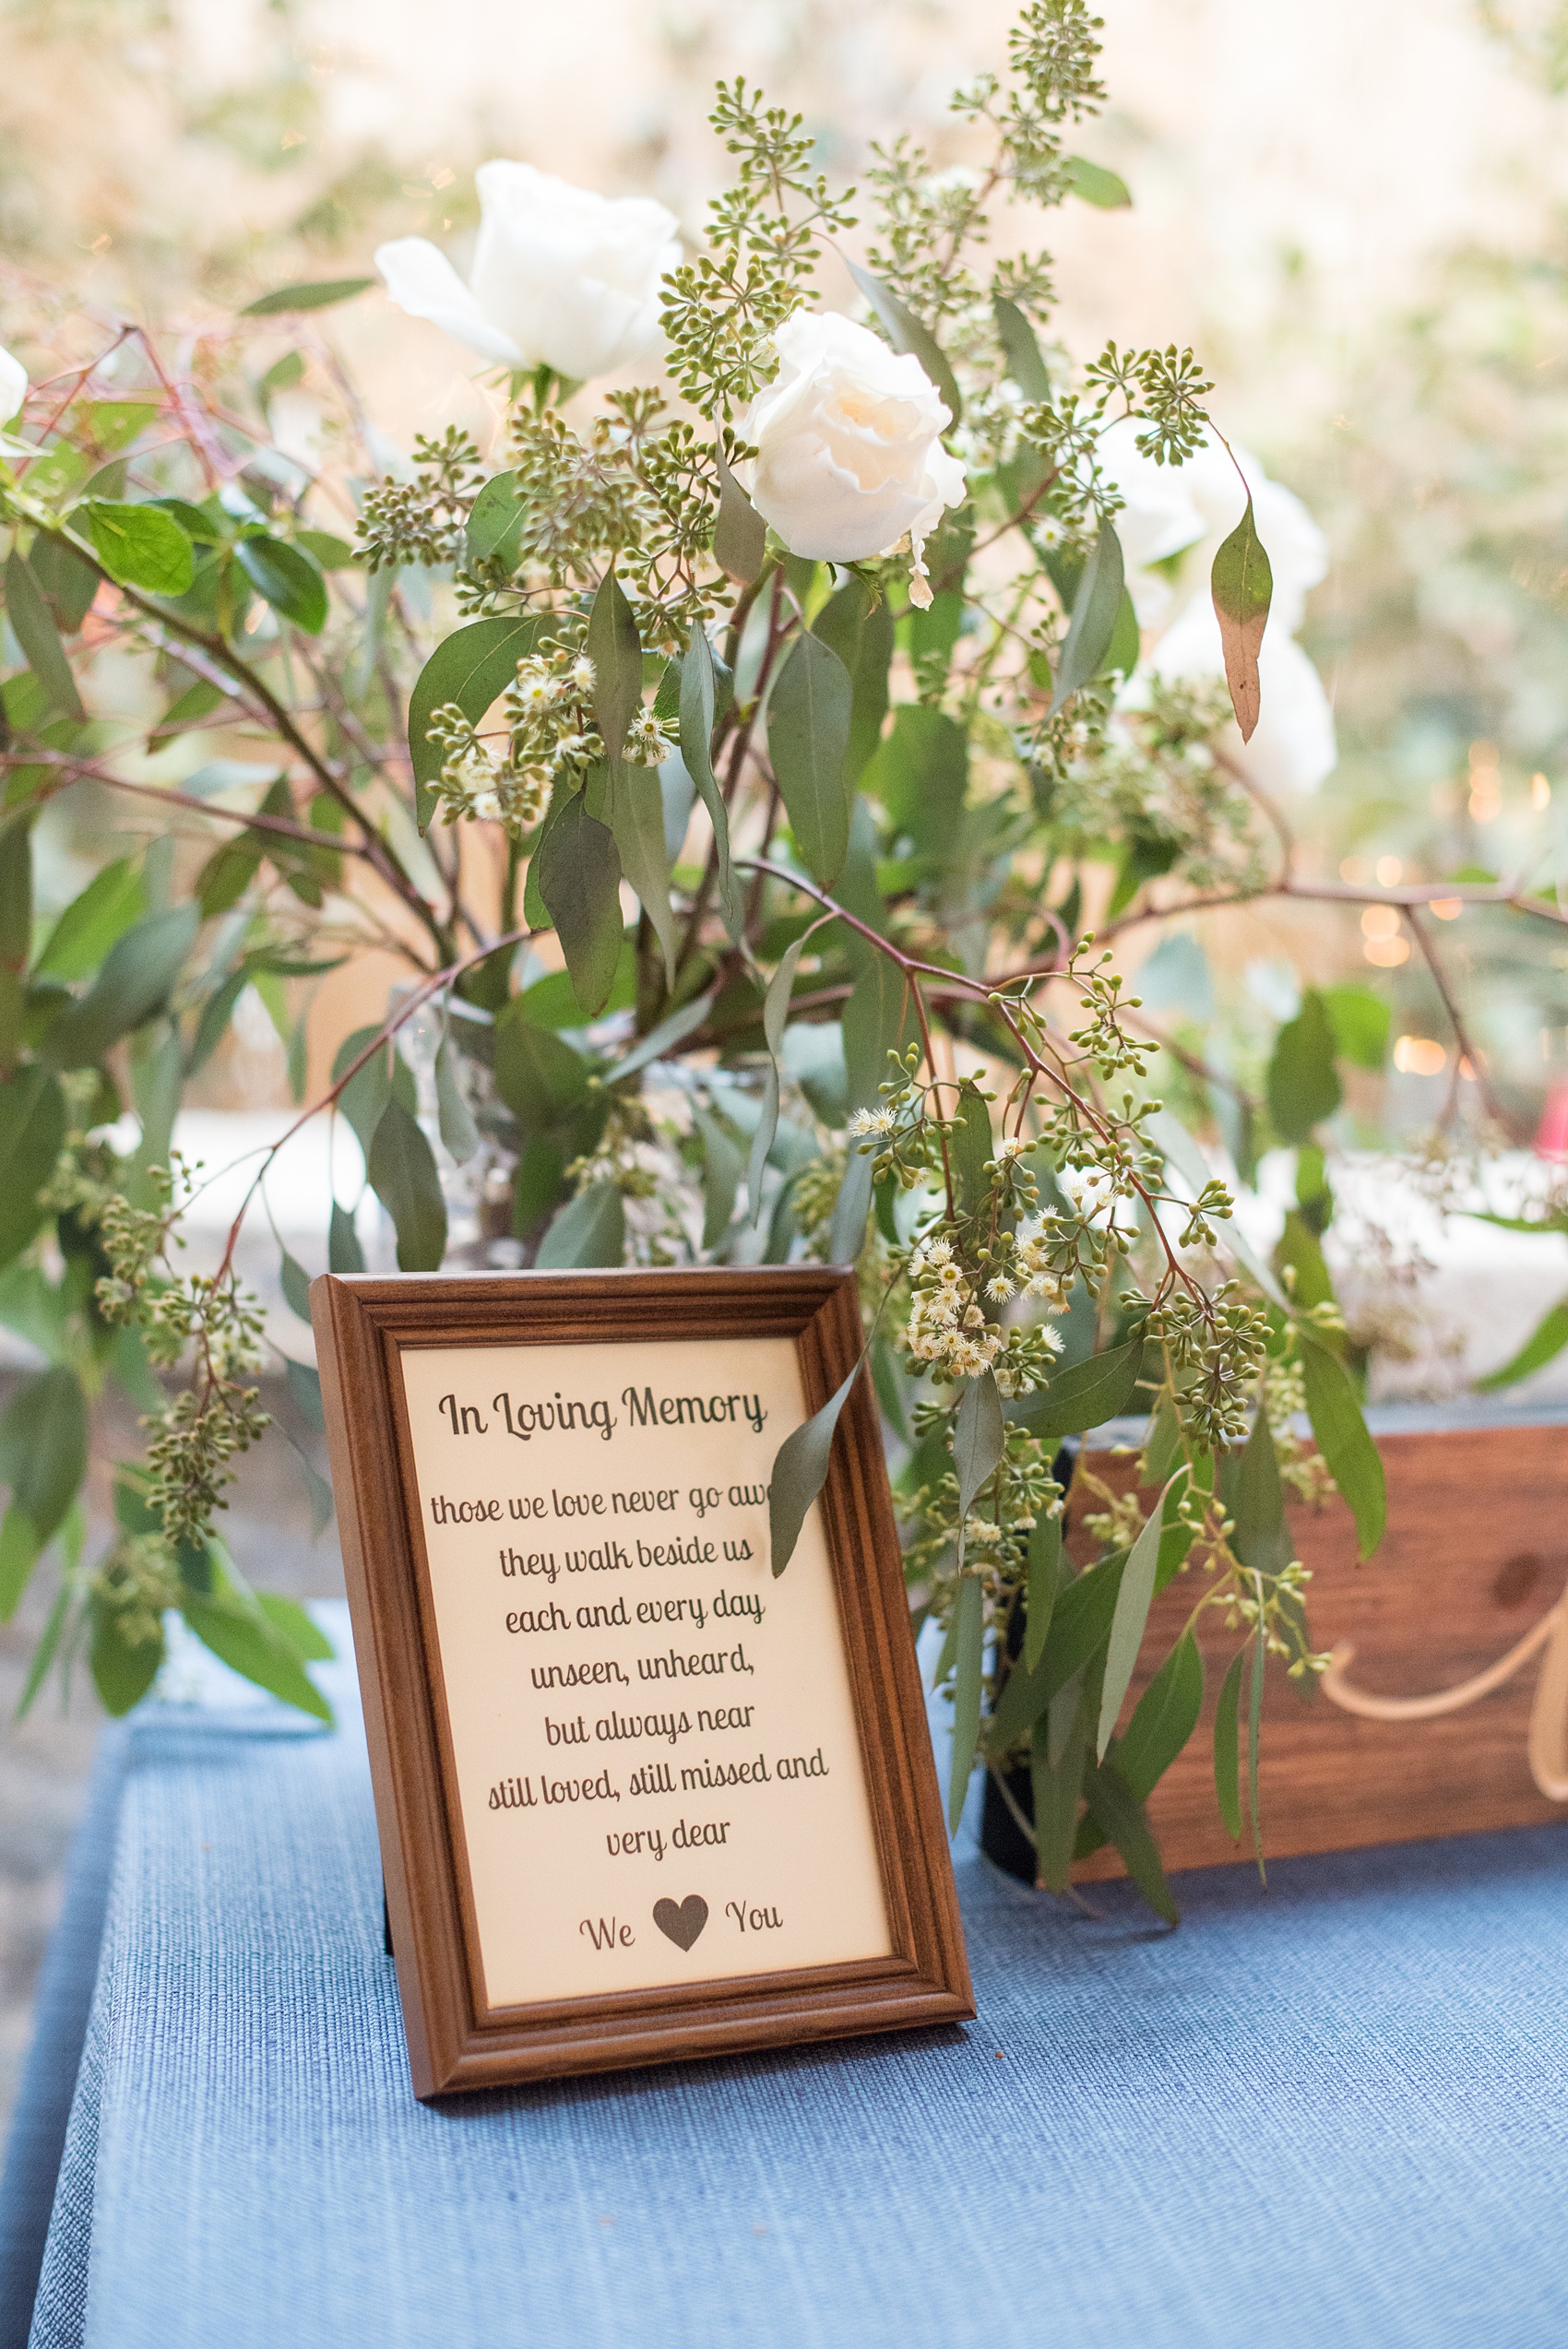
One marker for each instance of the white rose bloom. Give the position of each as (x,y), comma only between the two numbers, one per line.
(561,278)
(13,385)
(848,440)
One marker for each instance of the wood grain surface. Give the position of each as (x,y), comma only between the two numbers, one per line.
(1476,1552)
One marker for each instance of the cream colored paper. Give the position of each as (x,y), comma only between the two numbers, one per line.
(642,1717)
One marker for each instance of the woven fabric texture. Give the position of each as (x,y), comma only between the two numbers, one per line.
(1329,2112)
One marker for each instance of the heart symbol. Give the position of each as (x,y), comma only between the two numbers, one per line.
(682,1921)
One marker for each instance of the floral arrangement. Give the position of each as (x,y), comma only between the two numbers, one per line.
(754,771)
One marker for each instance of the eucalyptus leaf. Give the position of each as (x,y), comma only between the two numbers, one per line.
(740,534)
(318,294)
(980,1437)
(242,1638)
(1096,185)
(1254,1735)
(305,1385)
(969,1660)
(1097,607)
(615,650)
(580,879)
(32,624)
(858,625)
(1343,1439)
(1084,1395)
(1044,1576)
(847,1231)
(662,1041)
(136,982)
(1163,1719)
(294,1281)
(1025,363)
(590,1231)
(1227,1748)
(344,1253)
(775,1012)
(1302,1083)
(33,1130)
(696,720)
(1242,585)
(459,1135)
(905,332)
(723,1168)
(401,1170)
(43,1440)
(122,1671)
(1120,1816)
(493,519)
(1127,1624)
(639,826)
(537,1073)
(1544,1343)
(473,668)
(808,739)
(104,910)
(800,1471)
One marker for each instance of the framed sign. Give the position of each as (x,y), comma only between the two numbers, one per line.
(638,1798)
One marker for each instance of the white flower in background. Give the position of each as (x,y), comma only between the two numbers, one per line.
(1194,507)
(848,440)
(13,385)
(561,278)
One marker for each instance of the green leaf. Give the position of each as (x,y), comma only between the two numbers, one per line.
(122,1674)
(1127,1625)
(68,580)
(48,1642)
(1084,1396)
(661,1042)
(16,892)
(1173,1141)
(299,1631)
(494,519)
(1546,1341)
(1242,585)
(905,332)
(1227,1748)
(1263,1540)
(33,627)
(580,879)
(92,921)
(1095,184)
(774,1014)
(878,1018)
(538,1075)
(368,1091)
(971,1147)
(325,547)
(1254,1733)
(1303,1083)
(979,1436)
(800,1471)
(1164,1718)
(968,1654)
(245,1639)
(140,546)
(401,1170)
(43,1447)
(1056,1772)
(1025,363)
(1080,1621)
(285,577)
(696,714)
(473,668)
(295,1283)
(459,1135)
(1298,1249)
(318,294)
(1045,1575)
(615,649)
(344,1253)
(921,773)
(639,826)
(20,1550)
(722,1166)
(1342,1437)
(589,1231)
(1097,607)
(858,626)
(32,1128)
(135,983)
(305,1385)
(1116,1813)
(1360,1024)
(740,534)
(228,873)
(808,737)
(847,1230)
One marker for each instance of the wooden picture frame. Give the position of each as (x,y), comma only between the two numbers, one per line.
(418,1603)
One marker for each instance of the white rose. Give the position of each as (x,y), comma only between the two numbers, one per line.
(561,278)
(13,385)
(849,441)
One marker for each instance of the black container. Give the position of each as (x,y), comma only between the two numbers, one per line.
(1001,1839)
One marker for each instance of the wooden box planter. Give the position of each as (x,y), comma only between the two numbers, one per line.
(1464,1604)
